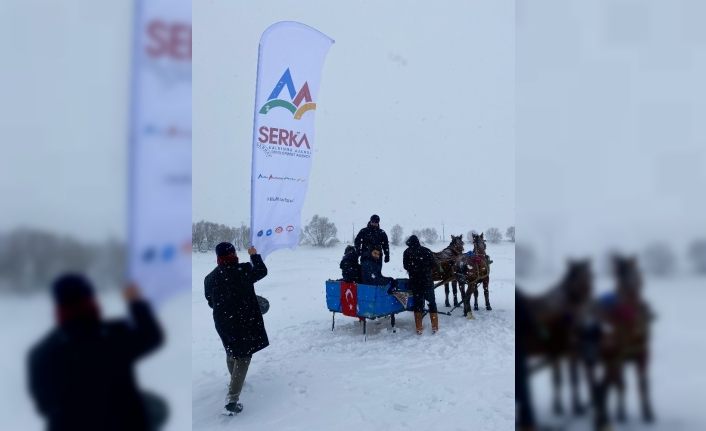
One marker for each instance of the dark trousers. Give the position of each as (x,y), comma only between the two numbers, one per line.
(424,295)
(238,369)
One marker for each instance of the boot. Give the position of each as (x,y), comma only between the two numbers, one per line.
(233,408)
(418,322)
(434,322)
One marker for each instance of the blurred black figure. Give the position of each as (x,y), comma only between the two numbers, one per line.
(81,374)
(230,292)
(523,397)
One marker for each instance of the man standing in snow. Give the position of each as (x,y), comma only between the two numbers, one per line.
(419,262)
(81,375)
(230,292)
(370,238)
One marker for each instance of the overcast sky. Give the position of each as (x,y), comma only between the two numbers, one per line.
(64,115)
(611,148)
(414,119)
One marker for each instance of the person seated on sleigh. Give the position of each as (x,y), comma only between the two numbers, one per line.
(371,271)
(350,268)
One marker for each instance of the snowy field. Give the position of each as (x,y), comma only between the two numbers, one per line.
(165,372)
(678,357)
(311,378)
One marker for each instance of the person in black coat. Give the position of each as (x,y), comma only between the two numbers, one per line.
(419,262)
(372,237)
(81,374)
(230,292)
(350,267)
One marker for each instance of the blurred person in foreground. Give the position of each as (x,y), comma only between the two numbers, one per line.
(230,292)
(419,262)
(81,374)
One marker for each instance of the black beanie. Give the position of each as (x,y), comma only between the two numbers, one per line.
(71,289)
(412,241)
(375,218)
(224,249)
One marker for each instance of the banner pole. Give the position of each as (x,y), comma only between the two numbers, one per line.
(252,147)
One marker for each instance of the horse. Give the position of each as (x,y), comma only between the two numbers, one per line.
(628,316)
(473,270)
(445,269)
(557,315)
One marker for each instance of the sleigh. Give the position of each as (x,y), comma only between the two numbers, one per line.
(367,302)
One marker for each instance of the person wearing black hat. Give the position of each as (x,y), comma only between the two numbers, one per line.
(370,238)
(81,374)
(419,262)
(230,292)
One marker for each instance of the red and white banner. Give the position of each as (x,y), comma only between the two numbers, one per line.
(159,197)
(290,60)
(349,299)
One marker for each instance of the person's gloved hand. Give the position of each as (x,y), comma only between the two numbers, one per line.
(387,258)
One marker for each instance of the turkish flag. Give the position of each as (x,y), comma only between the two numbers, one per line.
(349,299)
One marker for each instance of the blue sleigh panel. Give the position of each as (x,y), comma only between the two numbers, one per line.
(373,301)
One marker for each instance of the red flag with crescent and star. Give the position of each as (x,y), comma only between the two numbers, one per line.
(349,299)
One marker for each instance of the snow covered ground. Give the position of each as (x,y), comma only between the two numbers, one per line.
(26,319)
(312,378)
(678,357)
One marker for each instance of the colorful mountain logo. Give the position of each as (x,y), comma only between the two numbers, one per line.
(295,106)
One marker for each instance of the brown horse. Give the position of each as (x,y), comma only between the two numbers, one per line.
(444,271)
(628,341)
(557,315)
(473,270)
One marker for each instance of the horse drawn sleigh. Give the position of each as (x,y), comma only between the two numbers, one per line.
(369,302)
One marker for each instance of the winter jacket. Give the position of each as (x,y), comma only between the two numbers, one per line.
(419,262)
(81,375)
(370,238)
(230,292)
(371,271)
(350,267)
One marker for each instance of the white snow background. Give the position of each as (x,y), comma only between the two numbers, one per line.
(311,378)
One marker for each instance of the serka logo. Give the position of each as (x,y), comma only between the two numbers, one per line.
(296,98)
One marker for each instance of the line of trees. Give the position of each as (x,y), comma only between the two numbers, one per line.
(205,235)
(30,259)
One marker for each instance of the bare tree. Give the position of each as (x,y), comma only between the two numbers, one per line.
(493,235)
(320,232)
(396,235)
(244,234)
(428,235)
(510,234)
